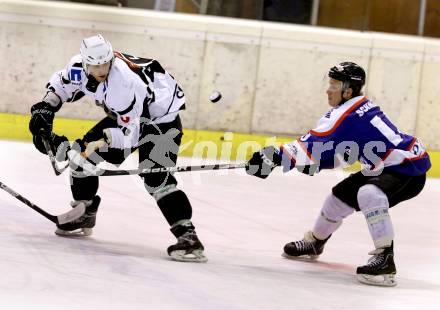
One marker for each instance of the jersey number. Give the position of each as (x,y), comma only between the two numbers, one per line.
(384,129)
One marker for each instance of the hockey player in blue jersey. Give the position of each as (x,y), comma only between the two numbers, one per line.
(394,167)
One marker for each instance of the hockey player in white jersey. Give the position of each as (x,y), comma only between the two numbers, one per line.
(142,102)
(395,166)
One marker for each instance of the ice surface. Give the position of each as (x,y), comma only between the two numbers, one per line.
(243,222)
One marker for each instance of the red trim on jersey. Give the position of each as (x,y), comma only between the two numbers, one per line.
(387,154)
(305,150)
(126,60)
(382,159)
(424,154)
(291,158)
(412,144)
(339,121)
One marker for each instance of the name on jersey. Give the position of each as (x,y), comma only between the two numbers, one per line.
(328,114)
(365,108)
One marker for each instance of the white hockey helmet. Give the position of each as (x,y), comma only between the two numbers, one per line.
(95,51)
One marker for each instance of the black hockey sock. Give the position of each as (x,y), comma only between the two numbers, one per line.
(175,207)
(84,188)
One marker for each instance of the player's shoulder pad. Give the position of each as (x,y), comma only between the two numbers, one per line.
(131,58)
(74,70)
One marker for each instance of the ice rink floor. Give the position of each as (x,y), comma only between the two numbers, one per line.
(243,222)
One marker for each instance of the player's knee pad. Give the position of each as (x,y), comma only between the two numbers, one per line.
(84,188)
(174,204)
(374,205)
(335,210)
(370,196)
(331,216)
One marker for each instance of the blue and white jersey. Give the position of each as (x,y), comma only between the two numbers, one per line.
(357,131)
(136,91)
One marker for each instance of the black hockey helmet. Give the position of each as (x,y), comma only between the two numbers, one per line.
(351,74)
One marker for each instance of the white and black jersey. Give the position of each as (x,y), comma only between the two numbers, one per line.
(136,91)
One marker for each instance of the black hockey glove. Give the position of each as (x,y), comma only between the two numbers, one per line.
(42,119)
(263,162)
(58,144)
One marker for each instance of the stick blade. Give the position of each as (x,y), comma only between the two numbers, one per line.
(72,215)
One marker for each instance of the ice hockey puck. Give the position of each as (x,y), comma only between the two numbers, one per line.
(215,96)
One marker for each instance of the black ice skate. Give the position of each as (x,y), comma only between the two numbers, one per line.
(380,269)
(83,225)
(308,248)
(188,247)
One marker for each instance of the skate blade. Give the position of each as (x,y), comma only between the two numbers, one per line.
(302,258)
(378,280)
(77,233)
(196,256)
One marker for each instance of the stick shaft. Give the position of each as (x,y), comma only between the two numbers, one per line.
(66,217)
(28,203)
(105,172)
(49,152)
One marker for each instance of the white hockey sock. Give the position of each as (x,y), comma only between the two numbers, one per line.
(331,216)
(374,205)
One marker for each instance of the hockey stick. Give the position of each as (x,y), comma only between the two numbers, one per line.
(105,172)
(49,152)
(72,215)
